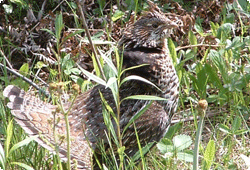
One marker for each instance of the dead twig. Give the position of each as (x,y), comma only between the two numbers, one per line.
(25,79)
(89,37)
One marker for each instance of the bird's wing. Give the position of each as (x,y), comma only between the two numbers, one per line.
(40,118)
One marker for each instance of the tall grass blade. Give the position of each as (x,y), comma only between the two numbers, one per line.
(144,97)
(92,76)
(107,112)
(140,148)
(9,134)
(25,166)
(134,67)
(109,62)
(137,115)
(144,150)
(22,143)
(135,77)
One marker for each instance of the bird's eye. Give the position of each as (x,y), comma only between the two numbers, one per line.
(154,25)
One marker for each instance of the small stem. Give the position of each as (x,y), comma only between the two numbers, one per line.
(119,134)
(68,139)
(89,37)
(65,113)
(56,142)
(197,143)
(68,136)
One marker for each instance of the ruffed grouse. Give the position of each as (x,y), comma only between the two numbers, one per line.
(144,42)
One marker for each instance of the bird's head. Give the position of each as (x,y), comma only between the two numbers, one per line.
(149,31)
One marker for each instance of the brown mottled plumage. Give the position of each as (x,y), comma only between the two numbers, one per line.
(144,42)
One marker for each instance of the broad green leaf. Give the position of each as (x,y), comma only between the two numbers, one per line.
(224,128)
(244,4)
(40,65)
(22,143)
(58,26)
(119,60)
(219,62)
(193,40)
(236,43)
(201,81)
(209,154)
(214,27)
(213,76)
(224,31)
(194,84)
(92,76)
(163,148)
(172,51)
(24,70)
(236,124)
(199,29)
(185,156)
(115,92)
(25,166)
(77,79)
(8,8)
(230,17)
(117,15)
(75,71)
(97,35)
(173,129)
(135,77)
(182,142)
(166,141)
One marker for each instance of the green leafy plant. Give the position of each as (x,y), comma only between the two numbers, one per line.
(235,129)
(178,148)
(7,152)
(209,155)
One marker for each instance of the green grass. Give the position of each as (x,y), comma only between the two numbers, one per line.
(218,74)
